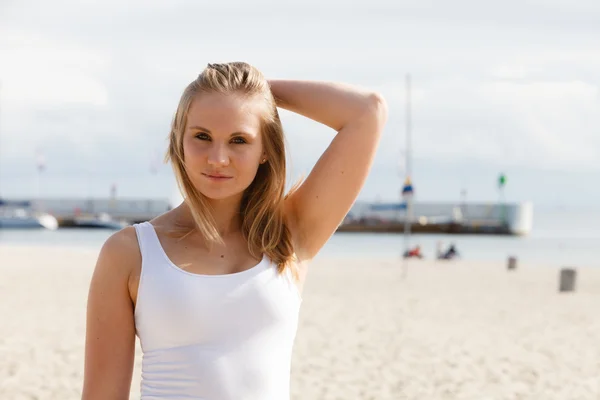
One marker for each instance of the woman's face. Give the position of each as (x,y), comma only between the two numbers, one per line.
(222,143)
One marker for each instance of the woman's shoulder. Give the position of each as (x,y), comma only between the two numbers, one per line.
(124,243)
(120,260)
(121,240)
(121,252)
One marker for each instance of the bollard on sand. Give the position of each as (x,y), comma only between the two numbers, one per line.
(512,263)
(568,277)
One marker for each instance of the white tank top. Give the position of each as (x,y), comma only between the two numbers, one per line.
(213,337)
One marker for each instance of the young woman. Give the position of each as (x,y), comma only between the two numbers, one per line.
(213,287)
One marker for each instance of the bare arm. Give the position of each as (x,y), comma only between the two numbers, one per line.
(319,205)
(110,328)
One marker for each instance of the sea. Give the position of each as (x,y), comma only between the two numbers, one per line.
(561,237)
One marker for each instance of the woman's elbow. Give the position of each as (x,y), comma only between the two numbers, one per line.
(378,105)
(375,111)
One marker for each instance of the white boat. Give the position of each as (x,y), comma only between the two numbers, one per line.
(102,221)
(21,216)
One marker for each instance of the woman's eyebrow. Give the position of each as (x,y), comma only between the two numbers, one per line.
(199,128)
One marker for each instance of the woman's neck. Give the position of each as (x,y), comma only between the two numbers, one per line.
(226,214)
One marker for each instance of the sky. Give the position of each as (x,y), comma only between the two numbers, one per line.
(513,87)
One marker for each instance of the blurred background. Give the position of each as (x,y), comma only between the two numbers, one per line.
(492,143)
(88,90)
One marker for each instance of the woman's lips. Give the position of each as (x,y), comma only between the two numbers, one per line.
(217,177)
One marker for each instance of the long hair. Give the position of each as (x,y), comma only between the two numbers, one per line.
(263,223)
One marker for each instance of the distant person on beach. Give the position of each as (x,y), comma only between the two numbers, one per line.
(212,288)
(414,252)
(450,254)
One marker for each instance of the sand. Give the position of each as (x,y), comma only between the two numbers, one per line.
(460,330)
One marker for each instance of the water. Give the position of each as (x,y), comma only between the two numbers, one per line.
(559,238)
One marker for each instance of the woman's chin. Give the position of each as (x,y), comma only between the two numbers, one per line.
(219,195)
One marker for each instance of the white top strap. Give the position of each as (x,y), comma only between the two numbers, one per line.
(150,247)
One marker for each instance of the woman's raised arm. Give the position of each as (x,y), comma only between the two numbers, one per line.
(319,205)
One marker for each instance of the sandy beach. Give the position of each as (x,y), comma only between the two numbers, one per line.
(460,330)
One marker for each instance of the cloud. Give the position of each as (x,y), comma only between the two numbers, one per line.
(522,121)
(37,71)
(97,82)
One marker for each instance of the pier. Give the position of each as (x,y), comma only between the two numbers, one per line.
(427,217)
(131,210)
(439,217)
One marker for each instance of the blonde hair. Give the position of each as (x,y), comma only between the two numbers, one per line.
(263,223)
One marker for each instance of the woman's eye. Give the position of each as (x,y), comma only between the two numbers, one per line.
(202,136)
(238,140)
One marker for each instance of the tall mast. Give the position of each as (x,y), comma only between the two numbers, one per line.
(407,189)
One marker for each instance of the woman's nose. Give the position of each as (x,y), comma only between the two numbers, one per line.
(218,156)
